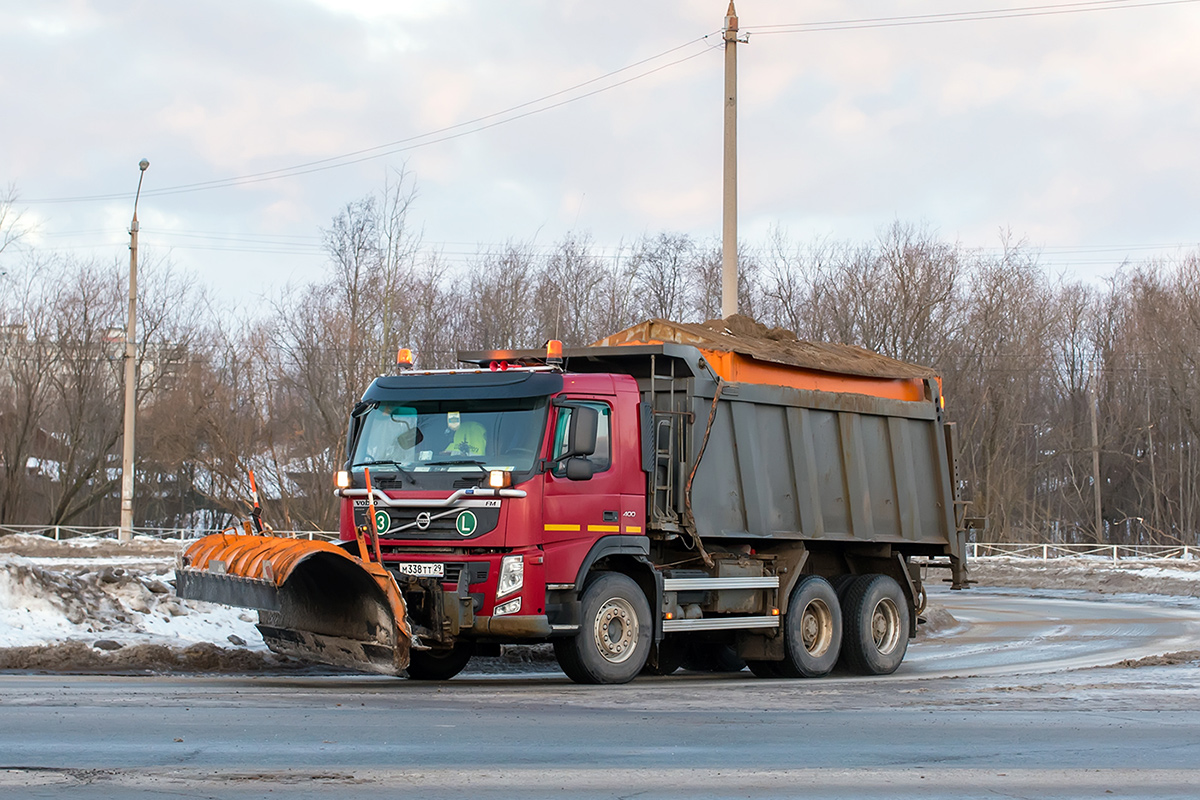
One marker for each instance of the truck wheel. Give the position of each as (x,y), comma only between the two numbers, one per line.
(713,657)
(764,669)
(439,665)
(812,630)
(614,635)
(840,583)
(876,626)
(671,652)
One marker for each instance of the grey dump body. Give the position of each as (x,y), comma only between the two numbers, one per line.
(797,464)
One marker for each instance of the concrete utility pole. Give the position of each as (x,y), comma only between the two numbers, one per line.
(1095,456)
(729,244)
(126,532)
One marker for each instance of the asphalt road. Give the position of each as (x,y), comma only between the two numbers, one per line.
(1013,706)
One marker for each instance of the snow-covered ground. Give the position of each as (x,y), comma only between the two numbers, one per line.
(94,603)
(97,604)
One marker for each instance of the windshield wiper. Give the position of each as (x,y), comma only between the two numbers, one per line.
(385,462)
(454,462)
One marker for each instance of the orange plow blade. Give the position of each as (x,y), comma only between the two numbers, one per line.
(315,601)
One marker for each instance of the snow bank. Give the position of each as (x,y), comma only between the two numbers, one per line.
(88,593)
(1176,577)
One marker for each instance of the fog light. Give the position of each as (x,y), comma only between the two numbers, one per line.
(512,575)
(499,479)
(511,607)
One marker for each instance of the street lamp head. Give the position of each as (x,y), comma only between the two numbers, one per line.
(143,164)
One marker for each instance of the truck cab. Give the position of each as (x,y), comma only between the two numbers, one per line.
(486,531)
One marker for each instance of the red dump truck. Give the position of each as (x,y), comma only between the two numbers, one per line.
(669,492)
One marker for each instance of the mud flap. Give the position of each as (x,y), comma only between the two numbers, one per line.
(316,602)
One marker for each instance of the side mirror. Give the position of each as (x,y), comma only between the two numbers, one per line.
(581,437)
(410,438)
(579,469)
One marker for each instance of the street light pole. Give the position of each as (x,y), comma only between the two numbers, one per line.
(729,245)
(126,532)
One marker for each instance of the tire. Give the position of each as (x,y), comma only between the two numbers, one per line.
(670,657)
(841,583)
(439,665)
(812,637)
(876,625)
(614,635)
(765,669)
(712,657)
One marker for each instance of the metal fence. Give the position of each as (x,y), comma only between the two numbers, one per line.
(1030,550)
(1113,552)
(63,532)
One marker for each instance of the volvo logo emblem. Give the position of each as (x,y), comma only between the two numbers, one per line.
(423,520)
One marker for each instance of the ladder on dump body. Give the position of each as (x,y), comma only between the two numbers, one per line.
(670,421)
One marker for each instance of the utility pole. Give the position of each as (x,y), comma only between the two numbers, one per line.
(126,532)
(729,244)
(1095,455)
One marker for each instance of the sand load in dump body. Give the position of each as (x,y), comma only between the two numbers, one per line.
(316,602)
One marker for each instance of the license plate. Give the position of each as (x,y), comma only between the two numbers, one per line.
(422,570)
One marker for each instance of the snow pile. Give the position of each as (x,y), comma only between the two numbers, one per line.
(1176,577)
(91,608)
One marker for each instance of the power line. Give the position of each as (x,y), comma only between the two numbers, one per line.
(411,142)
(958,16)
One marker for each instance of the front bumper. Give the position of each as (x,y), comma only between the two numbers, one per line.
(512,627)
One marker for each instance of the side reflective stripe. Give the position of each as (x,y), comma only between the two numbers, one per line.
(605,528)
(562,527)
(633,529)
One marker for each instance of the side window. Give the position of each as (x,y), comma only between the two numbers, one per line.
(602,458)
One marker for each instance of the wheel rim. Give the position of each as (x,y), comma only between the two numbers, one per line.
(816,628)
(885,626)
(616,630)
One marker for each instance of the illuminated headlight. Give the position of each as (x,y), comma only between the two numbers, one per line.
(341,479)
(499,479)
(512,575)
(511,607)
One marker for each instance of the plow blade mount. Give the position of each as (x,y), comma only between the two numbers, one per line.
(315,601)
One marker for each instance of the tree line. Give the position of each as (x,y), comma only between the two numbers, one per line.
(1030,361)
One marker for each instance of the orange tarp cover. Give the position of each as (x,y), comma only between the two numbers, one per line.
(742,350)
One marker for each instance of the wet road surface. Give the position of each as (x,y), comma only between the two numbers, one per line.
(1012,705)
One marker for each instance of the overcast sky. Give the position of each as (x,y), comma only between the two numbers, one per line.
(1077,131)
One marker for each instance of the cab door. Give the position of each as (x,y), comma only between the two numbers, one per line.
(578,512)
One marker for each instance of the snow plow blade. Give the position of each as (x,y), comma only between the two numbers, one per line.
(316,602)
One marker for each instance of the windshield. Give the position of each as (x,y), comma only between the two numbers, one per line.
(440,436)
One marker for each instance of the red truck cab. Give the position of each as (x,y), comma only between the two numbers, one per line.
(489,531)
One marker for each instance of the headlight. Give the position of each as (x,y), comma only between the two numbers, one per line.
(511,607)
(341,479)
(512,575)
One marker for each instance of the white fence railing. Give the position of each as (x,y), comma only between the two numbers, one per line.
(1044,552)
(1113,552)
(61,532)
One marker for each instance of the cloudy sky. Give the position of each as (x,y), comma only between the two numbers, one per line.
(1077,130)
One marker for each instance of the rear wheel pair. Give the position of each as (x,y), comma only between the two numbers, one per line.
(865,624)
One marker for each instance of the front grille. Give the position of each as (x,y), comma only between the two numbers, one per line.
(442,522)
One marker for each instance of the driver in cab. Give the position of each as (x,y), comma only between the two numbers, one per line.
(466,438)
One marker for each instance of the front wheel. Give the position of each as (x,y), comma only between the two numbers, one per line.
(876,631)
(439,665)
(614,635)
